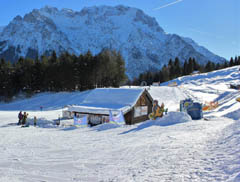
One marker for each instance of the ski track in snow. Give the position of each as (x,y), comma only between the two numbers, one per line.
(189,151)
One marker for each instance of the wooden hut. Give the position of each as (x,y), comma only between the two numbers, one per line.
(135,104)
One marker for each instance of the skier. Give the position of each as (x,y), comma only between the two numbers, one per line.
(20,117)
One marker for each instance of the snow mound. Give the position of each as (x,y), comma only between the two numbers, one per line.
(170,119)
(106,126)
(42,123)
(173,118)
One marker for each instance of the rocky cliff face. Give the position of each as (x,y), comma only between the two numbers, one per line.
(142,42)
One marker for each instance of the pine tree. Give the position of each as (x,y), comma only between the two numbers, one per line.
(7,89)
(171,69)
(231,63)
(185,68)
(209,66)
(177,68)
(165,72)
(156,77)
(52,73)
(236,60)
(120,76)
(190,66)
(225,65)
(38,76)
(196,66)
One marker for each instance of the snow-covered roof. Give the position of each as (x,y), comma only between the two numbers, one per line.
(101,100)
(97,110)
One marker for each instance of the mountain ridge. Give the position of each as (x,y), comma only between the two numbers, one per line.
(142,42)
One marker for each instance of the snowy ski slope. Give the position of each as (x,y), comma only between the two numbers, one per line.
(171,149)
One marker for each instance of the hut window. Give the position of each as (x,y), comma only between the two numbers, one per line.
(95,119)
(140,111)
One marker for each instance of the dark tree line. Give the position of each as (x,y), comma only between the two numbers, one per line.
(174,69)
(64,73)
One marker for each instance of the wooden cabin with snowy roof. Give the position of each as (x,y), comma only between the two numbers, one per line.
(135,104)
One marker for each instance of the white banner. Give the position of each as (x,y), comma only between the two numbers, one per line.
(116,119)
(80,120)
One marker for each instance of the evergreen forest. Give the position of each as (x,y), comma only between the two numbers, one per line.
(70,72)
(175,69)
(64,73)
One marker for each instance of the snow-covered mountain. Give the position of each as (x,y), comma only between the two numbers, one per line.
(1,28)
(142,42)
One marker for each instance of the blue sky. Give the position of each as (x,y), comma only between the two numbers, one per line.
(214,24)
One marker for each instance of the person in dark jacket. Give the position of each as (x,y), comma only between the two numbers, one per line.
(35,121)
(24,120)
(20,117)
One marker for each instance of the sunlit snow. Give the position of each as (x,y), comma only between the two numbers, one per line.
(170,149)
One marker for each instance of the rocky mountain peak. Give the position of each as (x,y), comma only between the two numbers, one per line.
(49,10)
(138,37)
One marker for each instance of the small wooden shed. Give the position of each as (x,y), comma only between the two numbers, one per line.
(135,104)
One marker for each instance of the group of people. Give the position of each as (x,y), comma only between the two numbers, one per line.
(22,119)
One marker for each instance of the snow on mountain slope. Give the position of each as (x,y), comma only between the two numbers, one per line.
(142,42)
(201,49)
(1,28)
(172,148)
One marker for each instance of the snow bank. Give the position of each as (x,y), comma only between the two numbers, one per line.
(170,119)
(173,118)
(42,123)
(106,126)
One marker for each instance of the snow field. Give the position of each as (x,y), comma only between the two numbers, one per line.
(171,149)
